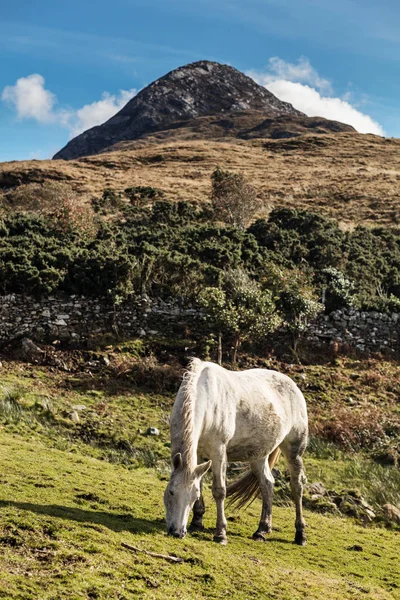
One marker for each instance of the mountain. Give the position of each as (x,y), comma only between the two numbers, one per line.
(202,100)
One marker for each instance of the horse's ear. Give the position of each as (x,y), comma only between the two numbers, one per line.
(177,461)
(202,469)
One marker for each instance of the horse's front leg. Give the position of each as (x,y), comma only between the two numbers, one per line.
(199,508)
(219,493)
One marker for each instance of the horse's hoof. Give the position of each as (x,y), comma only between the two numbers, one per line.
(300,538)
(221,539)
(259,537)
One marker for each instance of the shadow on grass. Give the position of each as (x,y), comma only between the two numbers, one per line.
(115,522)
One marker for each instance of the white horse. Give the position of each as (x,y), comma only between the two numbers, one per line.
(240,416)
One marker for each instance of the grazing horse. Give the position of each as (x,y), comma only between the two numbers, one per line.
(234,416)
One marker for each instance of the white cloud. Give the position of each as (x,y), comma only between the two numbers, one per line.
(301,72)
(301,85)
(98,112)
(30,99)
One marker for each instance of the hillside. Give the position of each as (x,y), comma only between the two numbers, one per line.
(72,492)
(351,177)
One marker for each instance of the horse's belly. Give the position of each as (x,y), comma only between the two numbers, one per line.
(247,452)
(255,436)
(252,448)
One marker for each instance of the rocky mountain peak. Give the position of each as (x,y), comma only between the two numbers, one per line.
(194,90)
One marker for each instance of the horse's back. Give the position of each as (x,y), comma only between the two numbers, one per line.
(250,411)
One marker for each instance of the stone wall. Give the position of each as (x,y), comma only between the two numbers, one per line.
(364,330)
(77,318)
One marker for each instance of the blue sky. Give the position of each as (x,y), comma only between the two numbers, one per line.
(69,65)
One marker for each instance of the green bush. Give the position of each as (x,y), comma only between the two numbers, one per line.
(172,249)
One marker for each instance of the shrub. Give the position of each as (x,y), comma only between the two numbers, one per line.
(234,201)
(365,428)
(140,194)
(338,290)
(110,201)
(240,310)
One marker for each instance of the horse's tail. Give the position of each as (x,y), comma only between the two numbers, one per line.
(245,490)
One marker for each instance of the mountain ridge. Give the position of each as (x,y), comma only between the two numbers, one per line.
(193,91)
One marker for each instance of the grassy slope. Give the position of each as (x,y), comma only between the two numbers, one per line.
(56,544)
(351,177)
(69,494)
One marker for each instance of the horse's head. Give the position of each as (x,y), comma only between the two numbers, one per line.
(181,493)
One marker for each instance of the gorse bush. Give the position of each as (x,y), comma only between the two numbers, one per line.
(136,241)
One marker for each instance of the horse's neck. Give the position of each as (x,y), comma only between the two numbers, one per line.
(186,436)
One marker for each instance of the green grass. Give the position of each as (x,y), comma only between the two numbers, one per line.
(379,484)
(64,516)
(71,493)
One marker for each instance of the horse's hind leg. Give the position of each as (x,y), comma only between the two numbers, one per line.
(266,481)
(293,452)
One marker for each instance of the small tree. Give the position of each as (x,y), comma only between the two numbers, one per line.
(295,296)
(234,201)
(240,310)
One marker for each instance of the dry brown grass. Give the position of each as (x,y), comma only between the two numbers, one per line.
(351,177)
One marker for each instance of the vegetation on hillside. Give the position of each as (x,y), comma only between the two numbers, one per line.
(135,242)
(350,177)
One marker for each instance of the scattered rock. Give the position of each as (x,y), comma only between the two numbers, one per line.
(79,407)
(317,488)
(106,360)
(369,514)
(32,352)
(391,513)
(73,415)
(348,502)
(152,431)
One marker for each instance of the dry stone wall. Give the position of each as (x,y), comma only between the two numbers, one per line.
(77,318)
(366,331)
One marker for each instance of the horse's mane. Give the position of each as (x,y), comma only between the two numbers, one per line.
(188,388)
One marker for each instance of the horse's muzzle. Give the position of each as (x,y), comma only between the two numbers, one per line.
(178,534)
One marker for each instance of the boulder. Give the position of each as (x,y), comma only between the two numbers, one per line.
(152,431)
(32,352)
(391,513)
(317,488)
